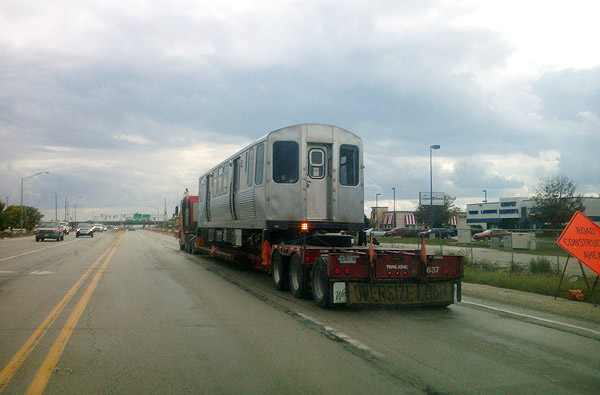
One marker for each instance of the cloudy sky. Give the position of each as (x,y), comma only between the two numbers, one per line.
(127,103)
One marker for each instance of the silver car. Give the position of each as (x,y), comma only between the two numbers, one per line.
(85,229)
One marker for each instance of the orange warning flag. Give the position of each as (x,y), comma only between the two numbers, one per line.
(423,251)
(266,253)
(212,250)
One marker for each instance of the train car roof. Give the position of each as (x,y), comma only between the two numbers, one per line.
(264,138)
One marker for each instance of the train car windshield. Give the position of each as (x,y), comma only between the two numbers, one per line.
(349,171)
(285,162)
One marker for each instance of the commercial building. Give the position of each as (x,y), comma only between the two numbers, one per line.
(514,212)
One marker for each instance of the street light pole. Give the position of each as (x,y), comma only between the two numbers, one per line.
(25,179)
(70,200)
(431,148)
(377,210)
(394,189)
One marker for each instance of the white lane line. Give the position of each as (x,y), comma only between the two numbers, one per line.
(343,337)
(34,251)
(530,318)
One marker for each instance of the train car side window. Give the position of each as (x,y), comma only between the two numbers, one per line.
(260,161)
(349,172)
(220,185)
(250,166)
(316,163)
(285,162)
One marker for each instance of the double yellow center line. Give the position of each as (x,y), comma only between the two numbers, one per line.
(45,371)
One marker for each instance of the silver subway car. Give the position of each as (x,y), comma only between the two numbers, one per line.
(308,173)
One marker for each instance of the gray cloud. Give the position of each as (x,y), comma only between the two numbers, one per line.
(127,106)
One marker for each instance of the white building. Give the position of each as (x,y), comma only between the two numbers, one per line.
(514,212)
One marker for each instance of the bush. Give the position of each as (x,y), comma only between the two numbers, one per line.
(541,265)
(516,268)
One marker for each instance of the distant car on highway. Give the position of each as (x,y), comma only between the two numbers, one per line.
(49,230)
(65,226)
(98,228)
(491,233)
(85,229)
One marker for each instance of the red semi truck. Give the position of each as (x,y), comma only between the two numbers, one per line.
(187,221)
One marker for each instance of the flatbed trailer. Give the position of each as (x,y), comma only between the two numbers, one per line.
(367,275)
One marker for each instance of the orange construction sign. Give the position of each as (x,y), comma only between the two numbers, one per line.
(581,238)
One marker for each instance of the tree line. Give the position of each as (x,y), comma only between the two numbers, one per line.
(11,216)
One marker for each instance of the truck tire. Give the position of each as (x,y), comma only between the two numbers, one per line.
(280,272)
(320,283)
(298,278)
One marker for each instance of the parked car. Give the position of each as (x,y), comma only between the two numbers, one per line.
(491,233)
(445,233)
(49,230)
(65,226)
(375,232)
(85,229)
(397,232)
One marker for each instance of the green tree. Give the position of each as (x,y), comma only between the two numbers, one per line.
(555,202)
(11,217)
(441,214)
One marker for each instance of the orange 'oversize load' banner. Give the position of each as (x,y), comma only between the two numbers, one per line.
(581,238)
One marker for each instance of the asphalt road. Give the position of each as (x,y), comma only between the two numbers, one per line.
(128,312)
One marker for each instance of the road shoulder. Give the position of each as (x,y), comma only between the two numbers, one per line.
(566,315)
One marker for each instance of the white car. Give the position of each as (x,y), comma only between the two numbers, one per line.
(65,226)
(375,232)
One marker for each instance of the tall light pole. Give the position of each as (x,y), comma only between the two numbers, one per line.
(394,189)
(485,195)
(66,201)
(25,179)
(431,148)
(377,210)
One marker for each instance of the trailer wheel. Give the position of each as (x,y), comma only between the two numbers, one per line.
(280,272)
(298,278)
(320,282)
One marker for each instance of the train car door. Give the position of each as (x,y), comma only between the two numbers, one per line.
(318,183)
(209,182)
(235,186)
